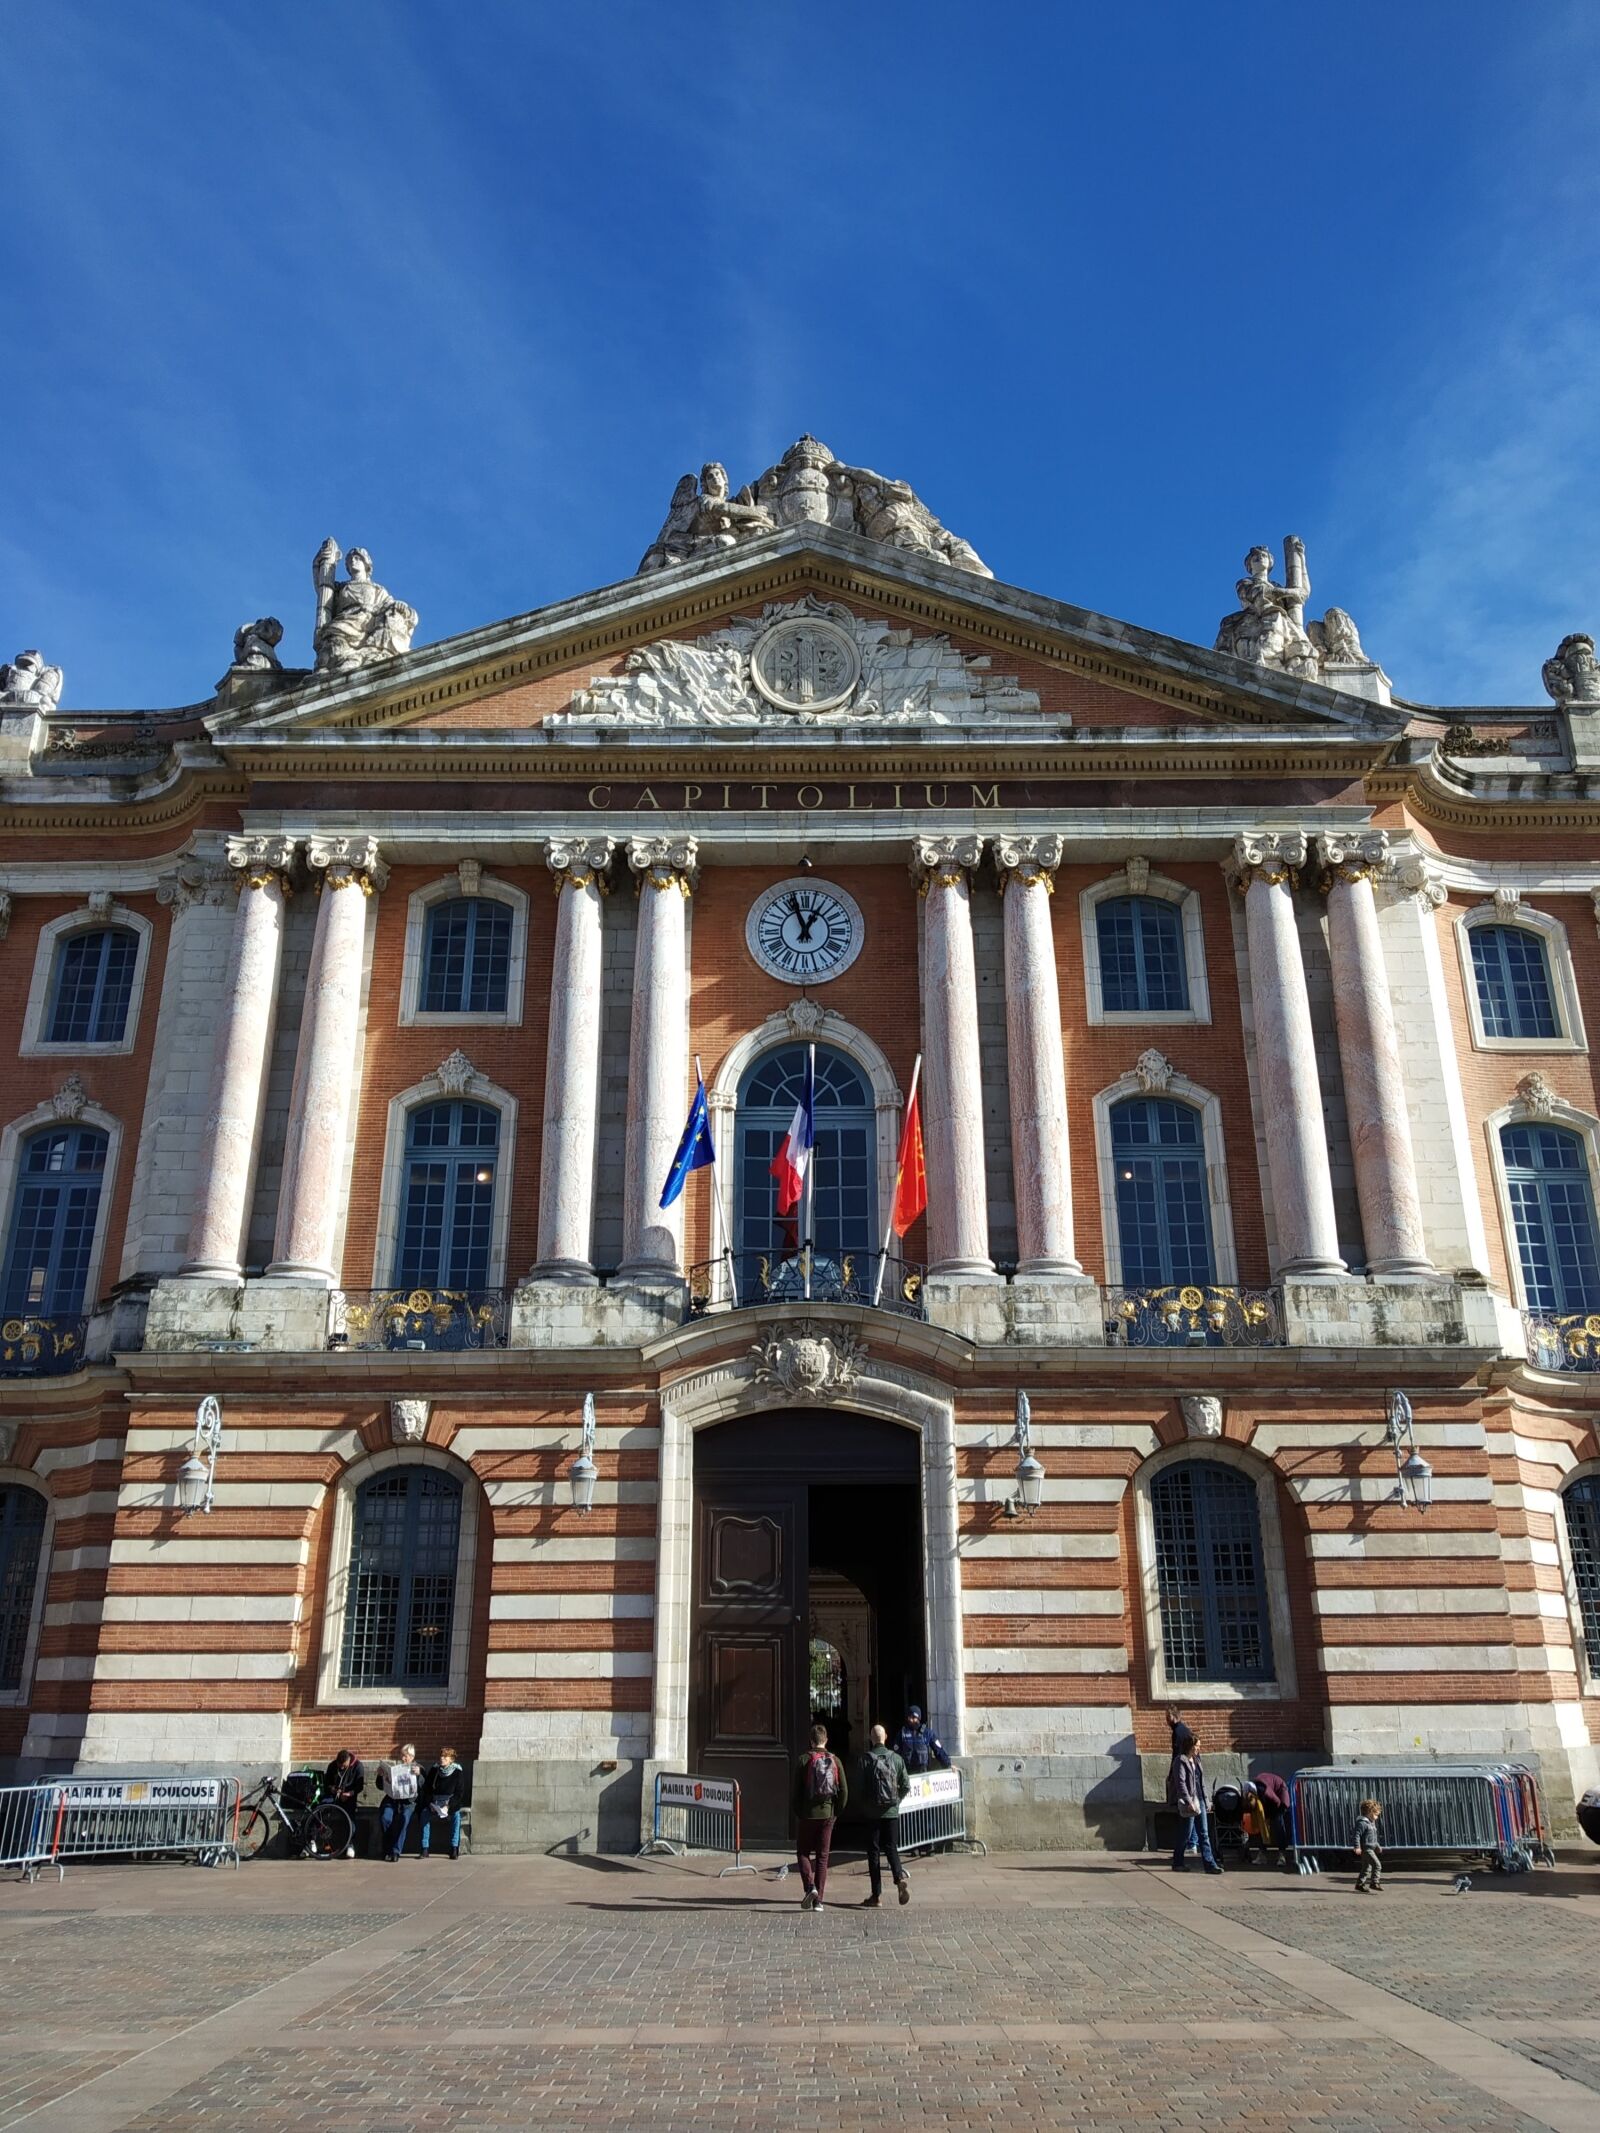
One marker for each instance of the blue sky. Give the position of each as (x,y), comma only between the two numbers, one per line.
(1121,291)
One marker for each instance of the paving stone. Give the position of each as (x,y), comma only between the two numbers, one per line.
(28,2079)
(1576,2057)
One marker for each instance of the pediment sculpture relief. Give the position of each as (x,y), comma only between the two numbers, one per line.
(1269,629)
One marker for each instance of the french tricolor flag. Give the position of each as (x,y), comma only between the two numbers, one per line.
(793,1159)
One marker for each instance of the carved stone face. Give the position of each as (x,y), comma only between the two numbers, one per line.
(1258,563)
(358,563)
(714,481)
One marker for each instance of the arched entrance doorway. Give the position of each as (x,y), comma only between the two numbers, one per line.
(808,1574)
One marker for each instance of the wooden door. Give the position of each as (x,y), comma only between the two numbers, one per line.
(749,1641)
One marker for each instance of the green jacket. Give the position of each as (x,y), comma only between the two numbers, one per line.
(805,1808)
(869,1810)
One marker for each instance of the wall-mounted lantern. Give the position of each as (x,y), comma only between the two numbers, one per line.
(585,1473)
(198,1473)
(1414,1473)
(1030,1474)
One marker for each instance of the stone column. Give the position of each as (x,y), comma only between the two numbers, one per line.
(1266,866)
(572,1062)
(239,1065)
(1040,1160)
(1369,1058)
(952,1072)
(325,1063)
(658,1058)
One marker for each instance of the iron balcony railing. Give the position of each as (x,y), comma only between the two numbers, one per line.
(418,1318)
(1570,1341)
(850,1279)
(1189,1316)
(33,1347)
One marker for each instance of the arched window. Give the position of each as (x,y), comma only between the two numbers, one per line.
(1163,1216)
(1512,970)
(91,986)
(447,1204)
(1552,1205)
(400,1599)
(22,1513)
(466,957)
(1580,1501)
(1141,956)
(1211,1591)
(53,1222)
(844,1198)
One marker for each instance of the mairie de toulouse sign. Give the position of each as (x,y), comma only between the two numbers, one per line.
(141,1792)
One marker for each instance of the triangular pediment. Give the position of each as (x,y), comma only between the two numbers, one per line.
(813,629)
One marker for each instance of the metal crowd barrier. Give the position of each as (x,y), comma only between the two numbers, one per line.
(934,1812)
(696,1814)
(120,1818)
(1473,1810)
(28,1816)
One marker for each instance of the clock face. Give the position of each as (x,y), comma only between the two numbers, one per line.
(804,931)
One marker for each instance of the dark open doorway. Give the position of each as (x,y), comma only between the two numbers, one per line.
(808,1595)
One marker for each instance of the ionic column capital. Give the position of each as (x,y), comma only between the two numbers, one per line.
(1272,856)
(580,862)
(1416,874)
(1349,856)
(346,863)
(261,862)
(1030,861)
(944,862)
(665,862)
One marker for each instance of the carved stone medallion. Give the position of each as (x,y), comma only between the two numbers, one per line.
(805,665)
(807,1361)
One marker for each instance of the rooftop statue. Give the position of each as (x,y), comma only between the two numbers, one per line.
(255,645)
(358,622)
(808,487)
(1573,675)
(1268,628)
(29,683)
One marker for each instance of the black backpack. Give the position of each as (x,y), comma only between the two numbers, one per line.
(883,1780)
(822,1778)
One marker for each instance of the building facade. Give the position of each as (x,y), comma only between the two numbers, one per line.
(352,1020)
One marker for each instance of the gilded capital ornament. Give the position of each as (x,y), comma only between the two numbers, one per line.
(580,862)
(1272,856)
(346,863)
(1351,856)
(1031,861)
(664,862)
(944,862)
(262,862)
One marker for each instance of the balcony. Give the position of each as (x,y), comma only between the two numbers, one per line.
(853,1279)
(1568,1342)
(1193,1317)
(441,1320)
(42,1347)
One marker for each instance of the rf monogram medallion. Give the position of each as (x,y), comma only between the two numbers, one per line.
(805,665)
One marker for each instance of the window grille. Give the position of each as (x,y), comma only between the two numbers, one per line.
(1163,1208)
(21,1539)
(844,1186)
(1141,956)
(1515,998)
(400,1598)
(1214,1622)
(53,1222)
(467,957)
(1580,1501)
(447,1208)
(92,987)
(1552,1207)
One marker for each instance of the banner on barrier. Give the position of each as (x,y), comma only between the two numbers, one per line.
(140,1792)
(928,1787)
(679,1791)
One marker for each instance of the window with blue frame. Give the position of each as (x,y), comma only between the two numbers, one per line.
(1552,1207)
(91,986)
(466,960)
(1515,995)
(53,1219)
(22,1513)
(447,1201)
(844,1186)
(1163,1210)
(1215,1624)
(400,1596)
(1580,1501)
(1142,972)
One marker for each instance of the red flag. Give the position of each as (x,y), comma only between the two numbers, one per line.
(910,1171)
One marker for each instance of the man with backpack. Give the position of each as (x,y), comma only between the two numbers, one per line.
(820,1794)
(884,1784)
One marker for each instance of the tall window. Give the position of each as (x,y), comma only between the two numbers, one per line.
(1515,997)
(400,1601)
(1214,1624)
(53,1222)
(844,1195)
(92,985)
(447,1206)
(21,1540)
(1552,1205)
(1580,1501)
(1163,1214)
(467,957)
(1141,956)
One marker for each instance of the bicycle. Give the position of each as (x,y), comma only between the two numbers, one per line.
(318,1830)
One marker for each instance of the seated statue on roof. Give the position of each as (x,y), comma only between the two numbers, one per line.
(1267,627)
(358,621)
(26,682)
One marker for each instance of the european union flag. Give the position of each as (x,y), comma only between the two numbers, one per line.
(695,1150)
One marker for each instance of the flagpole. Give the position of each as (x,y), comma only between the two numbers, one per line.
(719,1225)
(888,1222)
(806,1241)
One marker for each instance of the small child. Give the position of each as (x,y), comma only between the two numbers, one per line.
(1368,1849)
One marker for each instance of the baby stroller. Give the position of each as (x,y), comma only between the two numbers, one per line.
(1228,1833)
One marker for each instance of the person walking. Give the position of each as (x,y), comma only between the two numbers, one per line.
(399,1782)
(820,1794)
(917,1745)
(884,1784)
(445,1791)
(342,1783)
(1186,1795)
(1368,1849)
